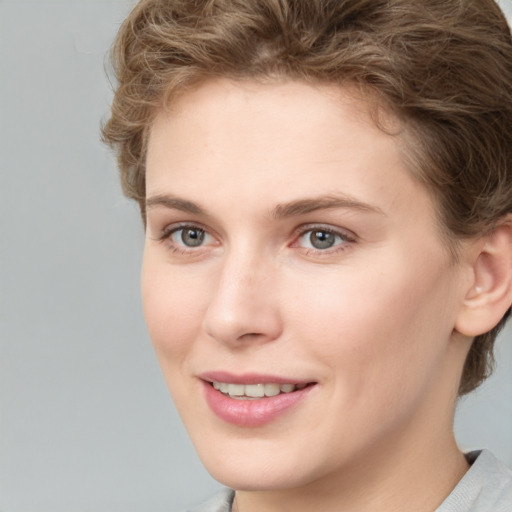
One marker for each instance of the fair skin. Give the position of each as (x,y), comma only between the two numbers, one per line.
(287,242)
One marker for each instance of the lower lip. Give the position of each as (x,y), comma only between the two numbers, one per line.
(255,412)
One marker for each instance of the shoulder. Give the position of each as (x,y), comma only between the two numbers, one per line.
(221,502)
(486,487)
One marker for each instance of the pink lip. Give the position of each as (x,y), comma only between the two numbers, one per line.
(250,413)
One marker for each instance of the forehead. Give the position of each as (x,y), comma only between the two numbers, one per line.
(263,144)
(288,118)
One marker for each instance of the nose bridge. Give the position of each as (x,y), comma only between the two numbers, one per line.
(244,301)
(236,288)
(239,269)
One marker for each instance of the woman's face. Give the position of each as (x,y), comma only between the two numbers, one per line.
(289,253)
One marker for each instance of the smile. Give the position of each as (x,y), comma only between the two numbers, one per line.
(255,391)
(255,402)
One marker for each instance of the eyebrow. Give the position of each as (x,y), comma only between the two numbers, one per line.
(280,211)
(304,206)
(175,203)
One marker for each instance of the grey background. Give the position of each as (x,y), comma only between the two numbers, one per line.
(86,423)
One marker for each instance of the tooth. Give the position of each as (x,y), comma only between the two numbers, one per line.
(272,389)
(300,386)
(216,385)
(223,387)
(236,389)
(287,388)
(255,390)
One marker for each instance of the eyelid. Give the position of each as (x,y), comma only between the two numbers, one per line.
(165,236)
(169,229)
(344,233)
(348,238)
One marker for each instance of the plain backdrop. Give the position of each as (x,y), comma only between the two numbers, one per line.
(86,422)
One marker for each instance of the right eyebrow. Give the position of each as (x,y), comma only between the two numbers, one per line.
(175,203)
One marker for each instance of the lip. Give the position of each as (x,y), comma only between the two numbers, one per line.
(256,412)
(249,378)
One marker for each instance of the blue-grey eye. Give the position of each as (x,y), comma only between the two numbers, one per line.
(321,239)
(190,237)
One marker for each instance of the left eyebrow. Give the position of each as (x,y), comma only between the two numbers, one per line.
(304,206)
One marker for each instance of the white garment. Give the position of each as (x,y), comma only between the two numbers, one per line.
(486,487)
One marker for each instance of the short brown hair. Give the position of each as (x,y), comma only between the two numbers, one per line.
(443,66)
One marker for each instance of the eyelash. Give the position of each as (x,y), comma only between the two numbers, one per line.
(344,239)
(344,242)
(168,232)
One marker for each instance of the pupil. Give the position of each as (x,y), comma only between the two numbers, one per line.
(321,239)
(192,237)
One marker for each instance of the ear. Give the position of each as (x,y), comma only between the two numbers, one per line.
(490,293)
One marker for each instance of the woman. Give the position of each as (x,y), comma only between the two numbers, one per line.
(327,193)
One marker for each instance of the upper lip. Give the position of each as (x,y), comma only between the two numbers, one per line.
(249,378)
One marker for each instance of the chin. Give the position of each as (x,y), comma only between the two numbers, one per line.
(266,478)
(253,464)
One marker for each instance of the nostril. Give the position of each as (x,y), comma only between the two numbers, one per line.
(250,335)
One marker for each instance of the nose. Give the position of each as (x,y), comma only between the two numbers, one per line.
(244,305)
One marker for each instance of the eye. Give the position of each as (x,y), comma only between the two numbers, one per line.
(322,239)
(188,236)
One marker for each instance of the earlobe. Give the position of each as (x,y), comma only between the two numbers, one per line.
(490,294)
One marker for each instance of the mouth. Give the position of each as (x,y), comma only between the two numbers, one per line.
(253,400)
(240,391)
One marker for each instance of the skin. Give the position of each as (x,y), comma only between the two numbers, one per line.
(370,320)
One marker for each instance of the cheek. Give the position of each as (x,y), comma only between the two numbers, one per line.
(379,329)
(173,309)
